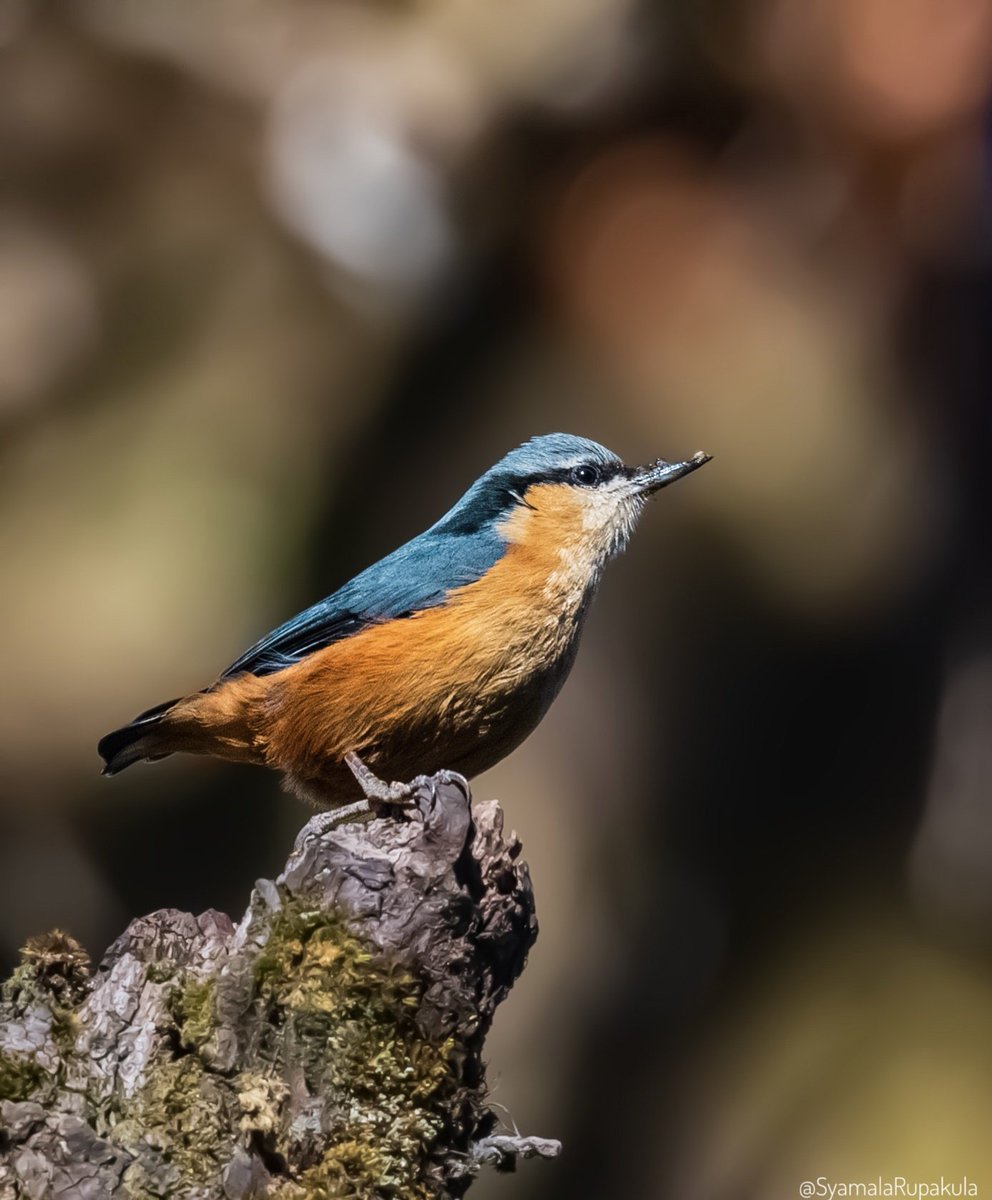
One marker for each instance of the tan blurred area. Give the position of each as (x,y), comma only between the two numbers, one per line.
(278,280)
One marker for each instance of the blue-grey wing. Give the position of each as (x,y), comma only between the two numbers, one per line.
(416,576)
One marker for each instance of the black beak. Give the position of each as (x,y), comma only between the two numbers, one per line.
(660,474)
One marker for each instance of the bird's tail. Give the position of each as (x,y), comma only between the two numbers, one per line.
(223,720)
(143,738)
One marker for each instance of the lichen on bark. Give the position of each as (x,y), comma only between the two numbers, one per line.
(328,1046)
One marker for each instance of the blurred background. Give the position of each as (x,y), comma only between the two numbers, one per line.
(277,281)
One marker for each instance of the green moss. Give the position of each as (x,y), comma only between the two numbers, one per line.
(260,1098)
(65,1028)
(194,1011)
(20,1077)
(36,986)
(54,970)
(323,1010)
(161,972)
(351,1018)
(52,975)
(23,988)
(185,1112)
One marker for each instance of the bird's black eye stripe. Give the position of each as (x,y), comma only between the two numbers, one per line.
(584,474)
(500,491)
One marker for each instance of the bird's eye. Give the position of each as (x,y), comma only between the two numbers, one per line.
(586,475)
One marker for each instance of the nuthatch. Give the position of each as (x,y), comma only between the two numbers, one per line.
(445,654)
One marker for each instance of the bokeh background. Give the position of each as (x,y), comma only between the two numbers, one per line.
(278,280)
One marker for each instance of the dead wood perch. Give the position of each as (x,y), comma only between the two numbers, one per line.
(329,1046)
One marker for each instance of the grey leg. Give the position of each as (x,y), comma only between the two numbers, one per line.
(377,791)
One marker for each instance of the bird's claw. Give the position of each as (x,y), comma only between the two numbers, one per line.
(449,777)
(321,823)
(397,799)
(429,784)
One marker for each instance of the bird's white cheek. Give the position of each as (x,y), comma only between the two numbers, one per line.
(618,524)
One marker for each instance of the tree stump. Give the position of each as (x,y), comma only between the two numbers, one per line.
(328,1046)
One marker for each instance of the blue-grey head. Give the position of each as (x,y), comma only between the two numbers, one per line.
(565,492)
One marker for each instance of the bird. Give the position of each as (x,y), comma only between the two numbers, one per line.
(441,657)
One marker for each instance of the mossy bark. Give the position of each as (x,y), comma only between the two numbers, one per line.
(328,1046)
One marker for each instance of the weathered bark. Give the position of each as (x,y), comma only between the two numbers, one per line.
(328,1046)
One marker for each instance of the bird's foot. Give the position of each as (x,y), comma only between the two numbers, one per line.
(382,799)
(396,799)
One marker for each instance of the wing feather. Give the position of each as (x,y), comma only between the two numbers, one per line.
(418,575)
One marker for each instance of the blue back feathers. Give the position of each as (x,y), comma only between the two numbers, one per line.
(458,550)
